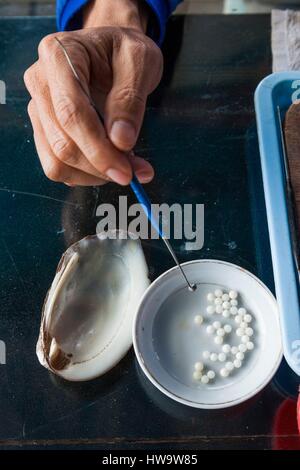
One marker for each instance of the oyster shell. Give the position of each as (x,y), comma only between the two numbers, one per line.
(88,312)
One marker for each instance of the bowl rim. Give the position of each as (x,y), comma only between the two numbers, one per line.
(172,395)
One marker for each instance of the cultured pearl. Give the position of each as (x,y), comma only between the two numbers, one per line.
(225,297)
(233,310)
(218,301)
(197,375)
(242,311)
(219,309)
(218,293)
(234,350)
(206,354)
(245,339)
(233,294)
(211,374)
(226,305)
(240,356)
(229,366)
(243,324)
(240,331)
(226,313)
(198,319)
(218,340)
(227,328)
(216,325)
(234,302)
(237,363)
(210,330)
(199,366)
(226,348)
(210,309)
(238,319)
(249,331)
(221,332)
(224,372)
(213,357)
(204,379)
(250,345)
(210,296)
(222,357)
(242,347)
(247,318)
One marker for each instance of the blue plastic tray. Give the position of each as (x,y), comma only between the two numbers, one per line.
(280,89)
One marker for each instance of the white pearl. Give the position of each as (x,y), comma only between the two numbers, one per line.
(224,372)
(227,328)
(213,357)
(211,374)
(221,332)
(197,375)
(234,302)
(243,324)
(233,310)
(206,354)
(240,331)
(225,297)
(210,309)
(234,350)
(218,301)
(204,379)
(216,325)
(218,340)
(226,348)
(247,318)
(199,366)
(245,339)
(210,330)
(240,356)
(229,366)
(242,347)
(237,363)
(218,293)
(250,345)
(222,357)
(210,296)
(238,319)
(242,311)
(233,294)
(249,331)
(226,313)
(198,319)
(219,309)
(226,305)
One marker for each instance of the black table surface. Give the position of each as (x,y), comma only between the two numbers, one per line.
(200,135)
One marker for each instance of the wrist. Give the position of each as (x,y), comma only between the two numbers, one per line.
(124,13)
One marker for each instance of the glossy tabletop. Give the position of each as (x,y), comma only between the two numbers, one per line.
(200,135)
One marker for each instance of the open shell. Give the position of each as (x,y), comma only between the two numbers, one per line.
(88,312)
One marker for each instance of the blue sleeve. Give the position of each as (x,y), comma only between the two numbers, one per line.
(69,17)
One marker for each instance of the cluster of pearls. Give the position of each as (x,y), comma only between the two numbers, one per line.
(232,357)
(200,375)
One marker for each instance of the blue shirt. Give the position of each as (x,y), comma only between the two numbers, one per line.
(69,14)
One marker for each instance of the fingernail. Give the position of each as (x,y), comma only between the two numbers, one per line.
(118,176)
(144,176)
(123,134)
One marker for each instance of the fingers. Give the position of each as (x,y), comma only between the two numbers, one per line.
(137,69)
(53,168)
(77,117)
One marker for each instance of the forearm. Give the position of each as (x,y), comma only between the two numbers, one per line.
(124,13)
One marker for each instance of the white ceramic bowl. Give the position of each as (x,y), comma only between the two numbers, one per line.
(167,342)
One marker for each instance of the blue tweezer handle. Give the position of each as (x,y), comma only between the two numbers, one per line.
(145,202)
